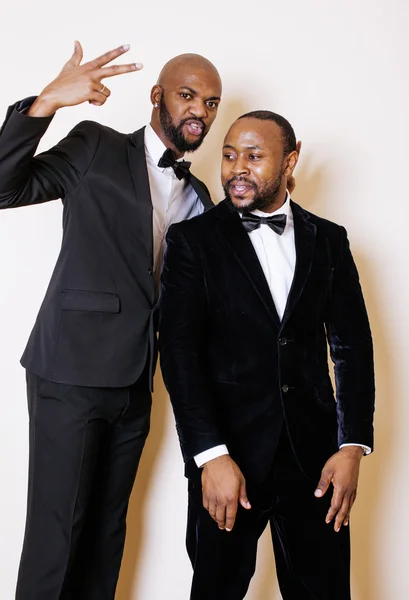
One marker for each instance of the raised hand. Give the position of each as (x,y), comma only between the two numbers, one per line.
(80,83)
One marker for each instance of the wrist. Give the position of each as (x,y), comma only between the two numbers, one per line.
(353,451)
(217,461)
(43,106)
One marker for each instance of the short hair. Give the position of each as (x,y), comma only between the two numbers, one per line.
(289,139)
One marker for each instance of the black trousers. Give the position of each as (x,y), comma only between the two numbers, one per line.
(85,446)
(312,561)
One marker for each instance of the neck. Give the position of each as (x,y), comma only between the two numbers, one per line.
(277,202)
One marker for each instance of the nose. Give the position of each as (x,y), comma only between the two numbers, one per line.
(198,109)
(239,167)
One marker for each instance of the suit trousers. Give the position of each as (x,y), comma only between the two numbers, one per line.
(312,560)
(85,446)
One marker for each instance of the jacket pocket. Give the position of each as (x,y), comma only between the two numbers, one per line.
(90,301)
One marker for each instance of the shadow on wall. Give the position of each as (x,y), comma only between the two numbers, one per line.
(311,190)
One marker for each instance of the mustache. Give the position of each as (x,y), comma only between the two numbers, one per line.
(192,119)
(239,178)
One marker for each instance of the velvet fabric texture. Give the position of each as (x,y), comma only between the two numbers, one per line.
(235,373)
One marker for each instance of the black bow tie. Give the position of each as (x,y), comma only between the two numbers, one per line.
(168,159)
(275,222)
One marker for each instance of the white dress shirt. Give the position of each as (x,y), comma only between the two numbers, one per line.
(277,257)
(173,199)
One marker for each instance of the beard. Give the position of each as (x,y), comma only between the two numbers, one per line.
(264,197)
(174,133)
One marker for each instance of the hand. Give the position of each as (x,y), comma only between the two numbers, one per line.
(223,488)
(342,470)
(291,180)
(80,83)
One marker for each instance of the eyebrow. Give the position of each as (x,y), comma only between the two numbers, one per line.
(247,147)
(193,92)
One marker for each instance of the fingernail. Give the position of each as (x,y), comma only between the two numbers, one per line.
(346,524)
(138,65)
(318,493)
(126,47)
(227,529)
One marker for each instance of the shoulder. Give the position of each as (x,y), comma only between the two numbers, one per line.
(92,129)
(323,226)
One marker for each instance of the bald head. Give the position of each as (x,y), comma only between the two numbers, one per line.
(185,101)
(194,63)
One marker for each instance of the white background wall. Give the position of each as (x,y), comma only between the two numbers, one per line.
(339,72)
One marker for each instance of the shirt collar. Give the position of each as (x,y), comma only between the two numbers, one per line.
(154,145)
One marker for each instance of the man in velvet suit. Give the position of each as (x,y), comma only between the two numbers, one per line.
(252,292)
(91,355)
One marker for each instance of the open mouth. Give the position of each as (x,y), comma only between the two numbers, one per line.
(194,128)
(240,188)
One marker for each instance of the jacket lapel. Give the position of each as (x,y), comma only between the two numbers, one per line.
(139,171)
(238,241)
(304,234)
(201,191)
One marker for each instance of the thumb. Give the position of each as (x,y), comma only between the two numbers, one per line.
(76,58)
(323,484)
(244,501)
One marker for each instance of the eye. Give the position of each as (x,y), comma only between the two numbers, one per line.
(185,96)
(228,156)
(212,105)
(254,157)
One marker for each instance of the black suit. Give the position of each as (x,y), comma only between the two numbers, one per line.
(238,376)
(95,329)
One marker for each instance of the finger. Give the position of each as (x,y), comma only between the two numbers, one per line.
(76,57)
(231,511)
(323,483)
(212,510)
(336,503)
(351,503)
(118,70)
(342,514)
(244,501)
(97,98)
(102,89)
(107,57)
(221,516)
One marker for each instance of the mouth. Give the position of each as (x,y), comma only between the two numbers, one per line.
(194,128)
(240,188)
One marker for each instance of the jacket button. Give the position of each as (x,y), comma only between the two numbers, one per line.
(285,388)
(150,271)
(282,341)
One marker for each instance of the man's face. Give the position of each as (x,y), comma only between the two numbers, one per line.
(188,106)
(253,164)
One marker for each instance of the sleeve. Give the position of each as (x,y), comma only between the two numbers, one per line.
(351,349)
(182,330)
(26,179)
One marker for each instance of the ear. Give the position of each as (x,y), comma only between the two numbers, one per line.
(290,163)
(156,94)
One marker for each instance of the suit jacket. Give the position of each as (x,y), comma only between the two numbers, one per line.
(235,373)
(95,326)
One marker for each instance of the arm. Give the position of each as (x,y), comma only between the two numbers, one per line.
(182,334)
(350,342)
(26,180)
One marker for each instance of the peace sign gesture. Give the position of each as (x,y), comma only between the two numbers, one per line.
(80,83)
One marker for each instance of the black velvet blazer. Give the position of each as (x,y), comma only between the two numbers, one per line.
(235,373)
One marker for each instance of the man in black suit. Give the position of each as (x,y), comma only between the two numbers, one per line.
(253,291)
(91,355)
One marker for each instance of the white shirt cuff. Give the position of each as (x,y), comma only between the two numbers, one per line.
(215,452)
(366,449)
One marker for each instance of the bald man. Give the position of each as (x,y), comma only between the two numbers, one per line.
(91,355)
